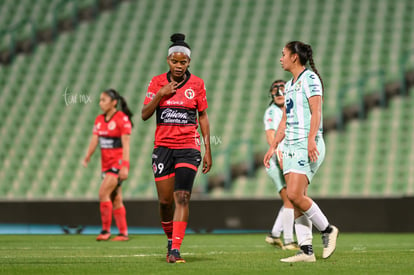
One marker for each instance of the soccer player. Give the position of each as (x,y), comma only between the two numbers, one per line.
(285,218)
(177,97)
(304,148)
(112,131)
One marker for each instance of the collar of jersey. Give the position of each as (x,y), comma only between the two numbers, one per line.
(300,75)
(110,117)
(187,73)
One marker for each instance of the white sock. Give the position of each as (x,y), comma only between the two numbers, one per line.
(303,228)
(315,214)
(288,219)
(278,226)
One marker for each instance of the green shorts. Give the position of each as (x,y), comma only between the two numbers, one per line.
(296,159)
(275,173)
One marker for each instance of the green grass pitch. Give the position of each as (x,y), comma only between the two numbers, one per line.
(204,253)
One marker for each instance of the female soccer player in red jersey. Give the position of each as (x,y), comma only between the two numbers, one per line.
(177,97)
(112,130)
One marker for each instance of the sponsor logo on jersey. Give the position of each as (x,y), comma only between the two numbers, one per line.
(173,114)
(106,143)
(174,102)
(111,125)
(301,162)
(177,116)
(289,105)
(189,93)
(110,142)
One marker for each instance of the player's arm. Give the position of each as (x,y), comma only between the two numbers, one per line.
(270,135)
(123,173)
(205,131)
(149,109)
(280,135)
(315,106)
(91,149)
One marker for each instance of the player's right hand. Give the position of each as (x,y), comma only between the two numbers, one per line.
(85,161)
(268,156)
(168,89)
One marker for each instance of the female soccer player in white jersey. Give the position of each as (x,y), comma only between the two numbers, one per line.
(285,218)
(304,148)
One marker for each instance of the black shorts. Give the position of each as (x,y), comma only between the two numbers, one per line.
(165,161)
(114,172)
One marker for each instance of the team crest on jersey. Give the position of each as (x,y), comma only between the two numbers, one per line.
(126,118)
(154,168)
(189,93)
(98,125)
(298,86)
(111,125)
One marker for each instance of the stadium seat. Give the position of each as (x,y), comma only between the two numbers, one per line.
(236,50)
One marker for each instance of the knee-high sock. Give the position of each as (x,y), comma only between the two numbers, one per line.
(288,219)
(319,219)
(120,219)
(168,229)
(303,227)
(106,215)
(178,234)
(278,225)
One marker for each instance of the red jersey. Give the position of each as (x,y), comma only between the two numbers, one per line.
(110,133)
(177,114)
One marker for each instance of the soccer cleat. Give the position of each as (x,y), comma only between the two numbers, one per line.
(329,242)
(169,244)
(300,257)
(175,257)
(104,236)
(276,241)
(120,238)
(291,246)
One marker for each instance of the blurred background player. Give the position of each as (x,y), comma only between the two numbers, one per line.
(285,218)
(304,148)
(112,130)
(177,96)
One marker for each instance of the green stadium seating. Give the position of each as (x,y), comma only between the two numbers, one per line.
(236,50)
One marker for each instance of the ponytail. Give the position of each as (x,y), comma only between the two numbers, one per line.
(125,109)
(114,95)
(309,54)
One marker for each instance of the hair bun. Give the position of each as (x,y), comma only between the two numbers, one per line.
(177,37)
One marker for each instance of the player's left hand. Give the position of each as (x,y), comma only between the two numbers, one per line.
(123,173)
(313,152)
(207,163)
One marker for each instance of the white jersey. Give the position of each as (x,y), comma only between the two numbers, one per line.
(272,117)
(298,112)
